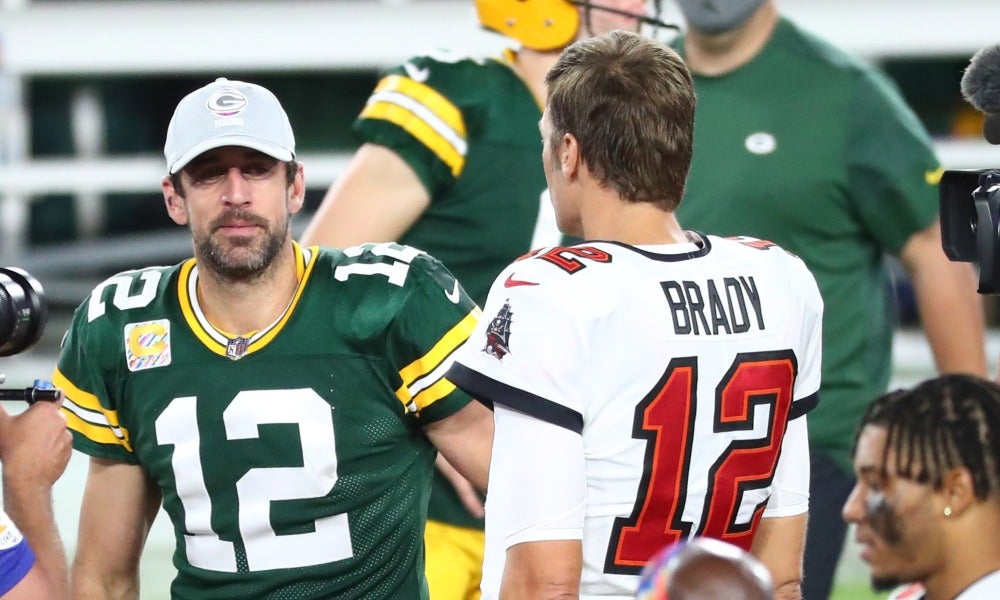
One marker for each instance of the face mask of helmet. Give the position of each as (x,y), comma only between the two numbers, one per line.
(717,16)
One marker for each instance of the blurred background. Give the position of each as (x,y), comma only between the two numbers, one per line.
(87,89)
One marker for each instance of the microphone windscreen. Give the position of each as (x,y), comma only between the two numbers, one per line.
(981,81)
(991,128)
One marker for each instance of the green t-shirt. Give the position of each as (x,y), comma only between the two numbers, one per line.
(809,148)
(469,129)
(298,468)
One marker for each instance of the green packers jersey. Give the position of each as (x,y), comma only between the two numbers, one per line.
(839,187)
(292,462)
(469,129)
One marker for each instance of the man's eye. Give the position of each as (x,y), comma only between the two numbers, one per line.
(207,178)
(257,171)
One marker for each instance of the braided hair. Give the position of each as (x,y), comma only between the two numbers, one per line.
(947,422)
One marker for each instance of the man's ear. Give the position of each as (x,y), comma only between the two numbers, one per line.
(569,156)
(297,196)
(174,202)
(958,490)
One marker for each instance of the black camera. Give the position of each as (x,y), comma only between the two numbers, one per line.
(23,314)
(23,311)
(970,222)
(970,200)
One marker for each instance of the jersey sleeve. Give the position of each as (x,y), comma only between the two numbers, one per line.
(436,318)
(528,348)
(892,170)
(790,486)
(90,408)
(810,347)
(538,488)
(16,556)
(413,113)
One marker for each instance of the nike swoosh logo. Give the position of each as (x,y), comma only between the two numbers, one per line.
(511,282)
(454,295)
(416,73)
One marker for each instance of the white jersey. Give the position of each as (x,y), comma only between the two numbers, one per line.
(662,382)
(986,587)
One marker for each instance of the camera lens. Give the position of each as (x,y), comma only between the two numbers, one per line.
(23,311)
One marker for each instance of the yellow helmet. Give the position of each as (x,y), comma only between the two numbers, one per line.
(537,24)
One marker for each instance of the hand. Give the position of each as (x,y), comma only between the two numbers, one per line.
(35,445)
(466,491)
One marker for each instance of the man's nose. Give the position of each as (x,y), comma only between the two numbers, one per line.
(234,187)
(853,511)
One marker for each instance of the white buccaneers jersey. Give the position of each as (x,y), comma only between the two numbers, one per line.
(643,396)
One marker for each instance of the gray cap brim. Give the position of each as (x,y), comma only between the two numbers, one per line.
(266,146)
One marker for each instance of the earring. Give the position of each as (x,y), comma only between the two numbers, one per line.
(947,511)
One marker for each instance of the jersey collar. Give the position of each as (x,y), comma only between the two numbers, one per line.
(225,344)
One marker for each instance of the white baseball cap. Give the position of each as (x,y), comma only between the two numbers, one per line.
(228,113)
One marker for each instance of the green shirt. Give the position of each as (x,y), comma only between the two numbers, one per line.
(809,148)
(292,464)
(469,129)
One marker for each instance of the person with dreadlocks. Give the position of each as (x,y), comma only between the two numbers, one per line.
(927,499)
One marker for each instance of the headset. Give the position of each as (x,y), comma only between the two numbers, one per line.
(549,24)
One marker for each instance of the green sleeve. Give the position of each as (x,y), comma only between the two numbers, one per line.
(892,170)
(418,120)
(437,318)
(91,414)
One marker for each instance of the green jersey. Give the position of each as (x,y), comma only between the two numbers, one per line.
(469,130)
(292,462)
(839,190)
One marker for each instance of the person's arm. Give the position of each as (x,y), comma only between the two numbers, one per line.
(535,510)
(377,199)
(465,439)
(780,543)
(34,448)
(463,487)
(950,309)
(548,570)
(780,539)
(119,505)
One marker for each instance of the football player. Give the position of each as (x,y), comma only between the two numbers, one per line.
(449,164)
(927,500)
(284,403)
(650,383)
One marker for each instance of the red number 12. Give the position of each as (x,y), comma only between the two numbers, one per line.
(665,419)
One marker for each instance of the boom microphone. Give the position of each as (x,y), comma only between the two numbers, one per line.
(981,88)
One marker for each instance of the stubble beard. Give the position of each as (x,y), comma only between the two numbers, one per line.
(240,259)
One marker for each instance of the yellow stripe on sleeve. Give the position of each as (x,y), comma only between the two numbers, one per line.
(429,396)
(454,338)
(934,177)
(423,113)
(85,415)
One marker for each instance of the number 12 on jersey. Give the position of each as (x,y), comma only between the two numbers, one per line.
(666,420)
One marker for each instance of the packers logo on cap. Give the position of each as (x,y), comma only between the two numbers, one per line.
(226,102)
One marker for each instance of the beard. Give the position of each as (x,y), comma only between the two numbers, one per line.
(240,259)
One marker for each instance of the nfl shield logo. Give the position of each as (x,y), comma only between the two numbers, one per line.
(236,348)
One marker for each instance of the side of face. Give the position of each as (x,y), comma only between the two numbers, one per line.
(897,519)
(602,21)
(559,164)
